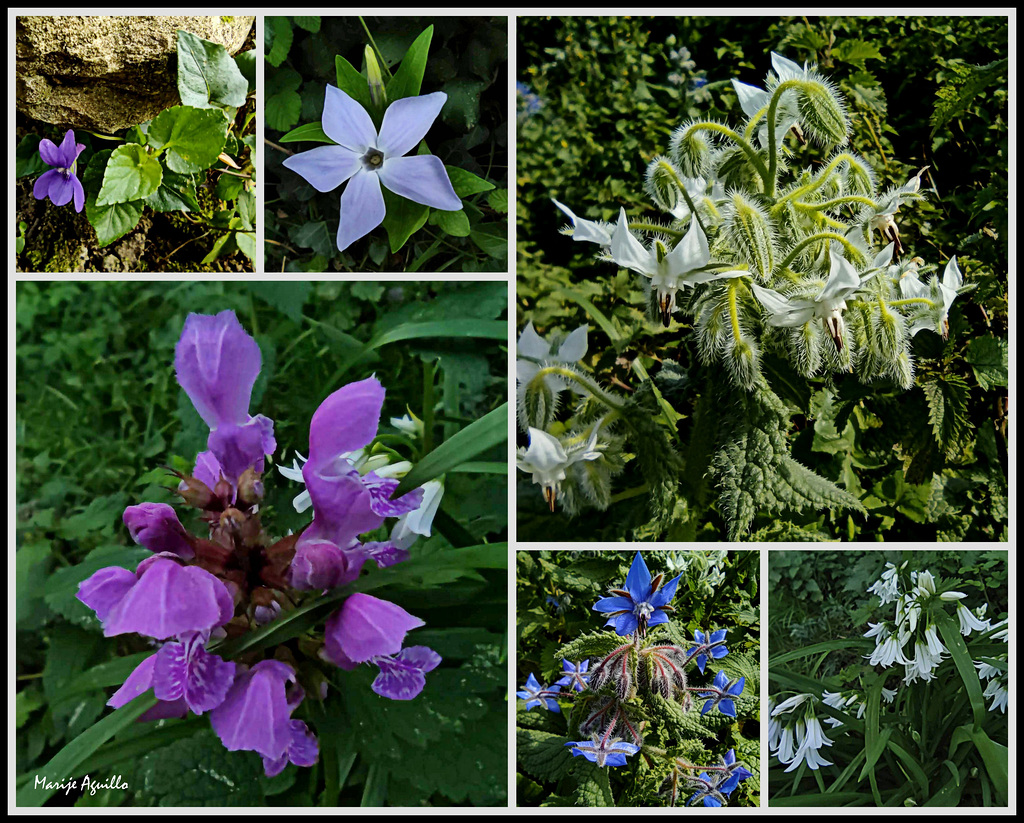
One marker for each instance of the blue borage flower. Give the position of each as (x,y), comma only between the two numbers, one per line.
(575,675)
(713,646)
(722,695)
(537,695)
(642,604)
(604,750)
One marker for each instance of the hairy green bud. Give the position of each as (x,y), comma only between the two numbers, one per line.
(749,229)
(822,112)
(662,184)
(691,149)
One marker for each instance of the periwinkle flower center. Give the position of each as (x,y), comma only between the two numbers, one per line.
(373,159)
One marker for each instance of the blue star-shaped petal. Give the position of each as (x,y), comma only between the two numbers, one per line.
(642,603)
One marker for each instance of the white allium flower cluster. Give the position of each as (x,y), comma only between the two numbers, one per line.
(795,734)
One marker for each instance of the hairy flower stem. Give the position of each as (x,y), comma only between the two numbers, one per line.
(838,201)
(817,183)
(851,249)
(595,390)
(773,111)
(907,300)
(748,150)
(686,197)
(734,315)
(654,227)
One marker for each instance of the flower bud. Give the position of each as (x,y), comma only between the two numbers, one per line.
(748,226)
(691,150)
(822,112)
(376,80)
(538,402)
(195,492)
(250,488)
(662,184)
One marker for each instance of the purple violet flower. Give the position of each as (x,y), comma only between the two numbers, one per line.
(368,160)
(160,599)
(217,363)
(366,627)
(156,526)
(61,183)
(641,604)
(403,676)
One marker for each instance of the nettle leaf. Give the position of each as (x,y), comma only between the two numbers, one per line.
(988,357)
(947,410)
(543,755)
(131,174)
(589,646)
(407,81)
(856,52)
(191,138)
(177,192)
(109,222)
(207,74)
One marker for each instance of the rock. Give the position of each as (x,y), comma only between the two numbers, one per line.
(107,73)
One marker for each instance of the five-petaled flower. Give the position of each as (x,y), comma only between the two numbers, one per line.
(604,750)
(368,160)
(547,460)
(723,694)
(61,183)
(643,603)
(713,645)
(537,695)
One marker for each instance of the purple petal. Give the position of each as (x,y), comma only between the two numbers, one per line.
(138,682)
(362,208)
(325,168)
(346,122)
(60,189)
(238,448)
(255,714)
(217,363)
(385,554)
(168,600)
(366,627)
(320,564)
(79,193)
(272,767)
(421,178)
(341,507)
(207,469)
(156,526)
(407,121)
(382,488)
(398,682)
(50,154)
(421,657)
(346,421)
(186,670)
(304,748)
(165,710)
(69,150)
(41,188)
(103,590)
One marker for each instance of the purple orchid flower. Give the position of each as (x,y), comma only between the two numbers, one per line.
(160,599)
(156,526)
(217,363)
(643,603)
(61,183)
(368,160)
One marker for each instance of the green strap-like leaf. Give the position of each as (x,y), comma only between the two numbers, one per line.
(477,437)
(964,665)
(312,132)
(409,77)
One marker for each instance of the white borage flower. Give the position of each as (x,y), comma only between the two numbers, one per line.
(883,218)
(534,352)
(940,293)
(546,460)
(590,231)
(829,304)
(668,270)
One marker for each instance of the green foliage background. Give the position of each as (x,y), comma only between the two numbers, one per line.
(602,98)
(99,411)
(467,61)
(821,597)
(555,593)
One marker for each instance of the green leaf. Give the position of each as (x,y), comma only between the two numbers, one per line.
(996,759)
(856,52)
(246,242)
(32,563)
(26,702)
(207,75)
(177,192)
(407,81)
(465,182)
(492,238)
(132,174)
(112,222)
(477,437)
(247,209)
(192,138)
(199,771)
(403,219)
(354,84)
(313,132)
(314,235)
(964,665)
(282,110)
(246,62)
(498,200)
(956,97)
(278,32)
(223,245)
(989,357)
(948,410)
(455,223)
(27,159)
(310,24)
(462,110)
(69,758)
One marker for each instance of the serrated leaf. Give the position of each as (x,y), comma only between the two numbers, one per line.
(947,410)
(199,771)
(542,755)
(856,52)
(191,138)
(957,96)
(989,358)
(207,75)
(131,174)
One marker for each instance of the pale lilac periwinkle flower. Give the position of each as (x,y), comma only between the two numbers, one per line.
(156,526)
(217,363)
(61,183)
(368,160)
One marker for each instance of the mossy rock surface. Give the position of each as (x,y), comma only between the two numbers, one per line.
(108,73)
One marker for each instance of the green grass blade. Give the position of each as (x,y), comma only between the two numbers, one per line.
(964,665)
